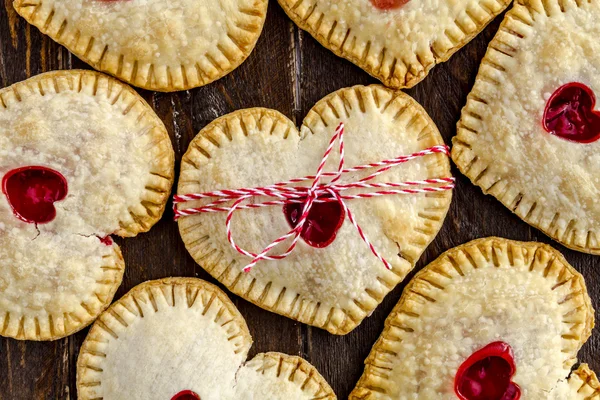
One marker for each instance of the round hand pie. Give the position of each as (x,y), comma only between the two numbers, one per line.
(493,319)
(82,157)
(183,339)
(396,41)
(529,132)
(154,44)
(332,279)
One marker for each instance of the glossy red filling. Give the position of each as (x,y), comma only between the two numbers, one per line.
(487,373)
(32,191)
(186,395)
(388,4)
(570,114)
(106,240)
(323,222)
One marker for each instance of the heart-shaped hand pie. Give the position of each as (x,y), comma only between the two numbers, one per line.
(332,279)
(396,41)
(493,319)
(183,339)
(154,44)
(82,157)
(528,133)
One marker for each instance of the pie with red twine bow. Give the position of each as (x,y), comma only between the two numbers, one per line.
(396,41)
(529,132)
(183,339)
(493,319)
(82,157)
(331,244)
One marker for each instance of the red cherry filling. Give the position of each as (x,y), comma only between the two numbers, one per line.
(486,375)
(388,4)
(186,395)
(106,240)
(570,114)
(32,191)
(322,224)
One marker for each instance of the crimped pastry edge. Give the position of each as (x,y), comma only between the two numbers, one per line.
(61,325)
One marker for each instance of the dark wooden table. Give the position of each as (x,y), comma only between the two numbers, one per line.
(288,71)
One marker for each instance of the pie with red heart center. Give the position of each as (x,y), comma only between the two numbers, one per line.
(82,157)
(154,44)
(332,279)
(493,319)
(396,41)
(183,339)
(529,132)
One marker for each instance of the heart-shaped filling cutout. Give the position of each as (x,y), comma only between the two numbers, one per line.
(388,4)
(487,373)
(186,395)
(570,114)
(31,192)
(323,221)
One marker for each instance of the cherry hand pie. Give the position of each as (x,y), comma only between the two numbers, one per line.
(331,279)
(183,339)
(396,41)
(529,132)
(493,319)
(154,44)
(82,157)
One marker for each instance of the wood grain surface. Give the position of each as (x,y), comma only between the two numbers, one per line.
(288,71)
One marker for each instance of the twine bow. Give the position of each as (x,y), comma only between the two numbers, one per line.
(284,193)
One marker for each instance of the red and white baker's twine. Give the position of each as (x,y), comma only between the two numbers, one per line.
(316,192)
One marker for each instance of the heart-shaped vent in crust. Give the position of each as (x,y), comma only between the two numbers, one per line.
(32,192)
(396,41)
(493,319)
(154,44)
(332,279)
(83,157)
(182,338)
(570,113)
(528,133)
